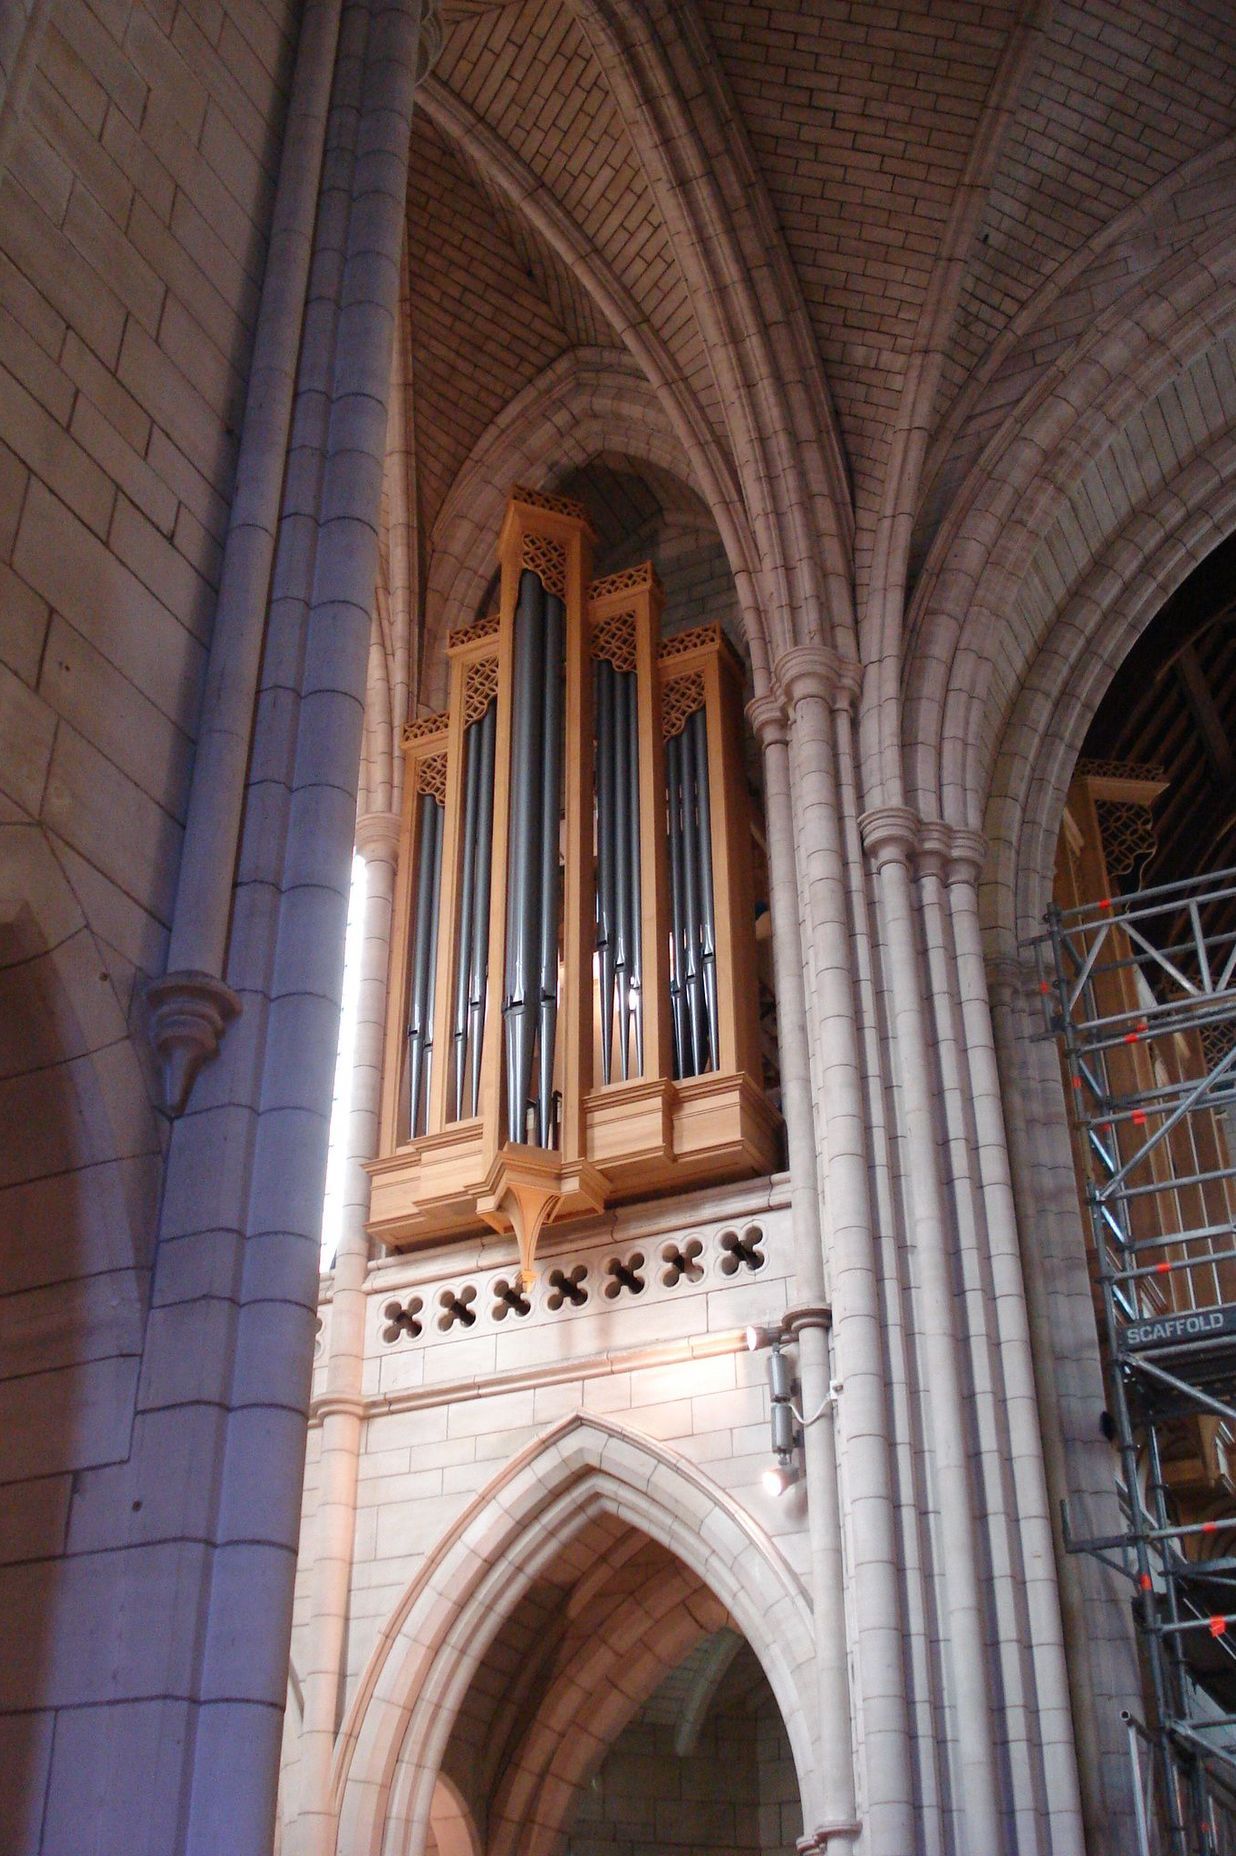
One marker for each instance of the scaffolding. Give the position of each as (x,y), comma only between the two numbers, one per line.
(1141,992)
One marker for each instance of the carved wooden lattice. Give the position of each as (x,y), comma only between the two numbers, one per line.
(1121,770)
(681,699)
(682,642)
(559,505)
(484,628)
(547,559)
(1127,831)
(480,688)
(613,637)
(1217,1041)
(424,728)
(431,777)
(628,580)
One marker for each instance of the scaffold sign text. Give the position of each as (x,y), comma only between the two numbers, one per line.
(1200,1324)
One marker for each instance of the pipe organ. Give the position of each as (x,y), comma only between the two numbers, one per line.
(574,995)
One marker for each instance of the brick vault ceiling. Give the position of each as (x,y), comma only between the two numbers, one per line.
(861,120)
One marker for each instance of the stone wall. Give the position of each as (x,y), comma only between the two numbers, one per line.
(449,1402)
(137,152)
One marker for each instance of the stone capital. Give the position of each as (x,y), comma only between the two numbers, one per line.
(935,847)
(189,1013)
(815,672)
(967,855)
(890,834)
(769,722)
(339,1405)
(1009,978)
(809,1315)
(377,835)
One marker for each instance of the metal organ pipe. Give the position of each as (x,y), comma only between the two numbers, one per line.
(467,914)
(606,925)
(530,1006)
(424,951)
(549,887)
(622,866)
(477,955)
(468,1008)
(678,998)
(693,967)
(708,906)
(635,958)
(522,894)
(619,949)
(692,977)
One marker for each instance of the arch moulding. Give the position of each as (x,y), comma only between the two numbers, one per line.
(1092,633)
(397,1727)
(588,401)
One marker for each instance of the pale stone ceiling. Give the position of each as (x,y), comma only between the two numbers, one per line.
(900,153)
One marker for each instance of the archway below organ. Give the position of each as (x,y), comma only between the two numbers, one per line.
(726,1788)
(618,1709)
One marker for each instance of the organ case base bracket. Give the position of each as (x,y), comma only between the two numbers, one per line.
(581,1028)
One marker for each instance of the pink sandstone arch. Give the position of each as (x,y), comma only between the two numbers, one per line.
(1047,503)
(1126,586)
(589,401)
(408,1698)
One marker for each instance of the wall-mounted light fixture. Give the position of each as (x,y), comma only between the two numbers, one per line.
(783,1472)
(787,1423)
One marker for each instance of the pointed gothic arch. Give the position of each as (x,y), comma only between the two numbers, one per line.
(409,1696)
(1102,442)
(590,400)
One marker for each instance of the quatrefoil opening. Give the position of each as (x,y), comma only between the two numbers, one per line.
(682,1262)
(401,1318)
(567,1286)
(742,1250)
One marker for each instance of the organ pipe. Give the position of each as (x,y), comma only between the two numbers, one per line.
(546,847)
(523,896)
(619,890)
(472,965)
(477,952)
(607,927)
(424,948)
(696,725)
(693,947)
(578,826)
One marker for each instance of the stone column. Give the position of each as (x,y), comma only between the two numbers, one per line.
(1078,1462)
(890,837)
(191,1005)
(194,1540)
(312,1833)
(961,859)
(834,1729)
(812,679)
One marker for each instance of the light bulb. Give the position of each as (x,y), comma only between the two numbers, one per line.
(779,1477)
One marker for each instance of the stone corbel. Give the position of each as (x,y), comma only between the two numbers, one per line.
(769,722)
(817,1841)
(189,1013)
(377,836)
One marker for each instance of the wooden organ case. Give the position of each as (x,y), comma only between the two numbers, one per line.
(573,1006)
